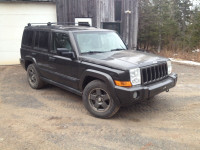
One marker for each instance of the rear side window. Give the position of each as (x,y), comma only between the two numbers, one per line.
(41,39)
(27,38)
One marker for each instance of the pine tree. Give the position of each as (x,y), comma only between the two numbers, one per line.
(194,30)
(167,24)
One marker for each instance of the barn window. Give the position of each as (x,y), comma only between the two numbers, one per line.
(27,38)
(112,26)
(118,10)
(83,21)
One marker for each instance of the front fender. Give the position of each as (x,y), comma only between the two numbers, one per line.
(101,76)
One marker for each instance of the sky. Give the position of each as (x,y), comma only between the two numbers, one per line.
(196,2)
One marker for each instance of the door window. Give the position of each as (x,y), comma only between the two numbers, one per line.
(41,39)
(60,40)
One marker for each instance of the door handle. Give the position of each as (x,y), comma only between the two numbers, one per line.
(52,59)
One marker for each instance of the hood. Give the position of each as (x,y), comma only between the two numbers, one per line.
(123,60)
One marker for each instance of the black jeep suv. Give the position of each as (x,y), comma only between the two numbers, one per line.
(95,64)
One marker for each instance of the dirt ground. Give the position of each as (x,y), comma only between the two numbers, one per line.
(51,118)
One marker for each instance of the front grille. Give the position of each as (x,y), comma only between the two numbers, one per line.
(154,73)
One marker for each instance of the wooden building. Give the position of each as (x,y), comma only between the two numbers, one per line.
(119,15)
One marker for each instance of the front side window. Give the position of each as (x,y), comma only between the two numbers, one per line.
(104,41)
(61,40)
(27,38)
(41,39)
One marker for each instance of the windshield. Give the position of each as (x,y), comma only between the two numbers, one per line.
(97,42)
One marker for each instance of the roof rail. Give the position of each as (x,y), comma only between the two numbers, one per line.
(48,23)
(60,23)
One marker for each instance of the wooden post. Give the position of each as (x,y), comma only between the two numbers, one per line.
(135,29)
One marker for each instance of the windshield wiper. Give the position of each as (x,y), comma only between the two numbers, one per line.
(92,52)
(118,49)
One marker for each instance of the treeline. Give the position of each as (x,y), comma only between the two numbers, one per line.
(168,25)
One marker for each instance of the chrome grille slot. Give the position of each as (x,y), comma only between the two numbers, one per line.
(154,73)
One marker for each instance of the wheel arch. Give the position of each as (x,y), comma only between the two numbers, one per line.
(87,80)
(90,75)
(28,61)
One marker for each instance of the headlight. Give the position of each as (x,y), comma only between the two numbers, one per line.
(169,66)
(135,76)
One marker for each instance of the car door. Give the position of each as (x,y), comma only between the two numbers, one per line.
(65,69)
(40,52)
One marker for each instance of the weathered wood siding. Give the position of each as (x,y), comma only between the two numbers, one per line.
(105,11)
(102,11)
(68,10)
(130,22)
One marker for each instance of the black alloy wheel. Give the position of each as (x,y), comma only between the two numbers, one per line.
(33,77)
(98,100)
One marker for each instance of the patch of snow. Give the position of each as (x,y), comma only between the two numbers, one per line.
(185,62)
(196,51)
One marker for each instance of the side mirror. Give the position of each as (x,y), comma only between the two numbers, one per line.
(66,52)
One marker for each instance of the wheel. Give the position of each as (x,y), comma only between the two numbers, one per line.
(98,101)
(33,77)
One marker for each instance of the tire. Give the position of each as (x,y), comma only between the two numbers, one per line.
(98,101)
(34,78)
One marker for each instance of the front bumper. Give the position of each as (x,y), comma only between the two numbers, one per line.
(125,95)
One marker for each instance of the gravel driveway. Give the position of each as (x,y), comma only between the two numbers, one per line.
(52,118)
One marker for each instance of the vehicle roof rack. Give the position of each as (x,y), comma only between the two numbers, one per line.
(48,23)
(60,23)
